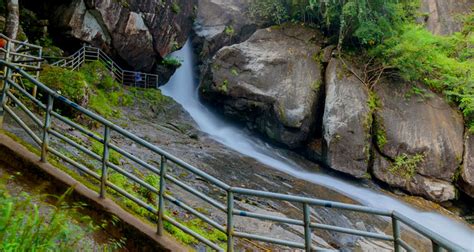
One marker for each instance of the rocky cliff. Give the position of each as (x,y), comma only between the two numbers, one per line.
(139,33)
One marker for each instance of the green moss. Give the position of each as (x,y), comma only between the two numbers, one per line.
(98,148)
(175,8)
(316,85)
(224,87)
(229,31)
(69,83)
(457,174)
(406,165)
(234,71)
(171,61)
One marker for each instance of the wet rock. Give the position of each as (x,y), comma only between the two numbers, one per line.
(221,23)
(272,82)
(420,140)
(346,121)
(434,189)
(442,16)
(467,171)
(139,32)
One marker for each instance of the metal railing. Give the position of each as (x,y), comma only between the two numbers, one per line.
(124,77)
(24,55)
(165,196)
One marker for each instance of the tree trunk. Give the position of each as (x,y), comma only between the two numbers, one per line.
(13,19)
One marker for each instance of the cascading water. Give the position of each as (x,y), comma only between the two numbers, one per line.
(182,87)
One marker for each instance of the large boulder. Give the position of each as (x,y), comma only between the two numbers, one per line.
(442,16)
(420,140)
(467,171)
(347,121)
(272,82)
(222,22)
(139,32)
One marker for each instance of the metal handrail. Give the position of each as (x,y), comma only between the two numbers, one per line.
(124,77)
(438,242)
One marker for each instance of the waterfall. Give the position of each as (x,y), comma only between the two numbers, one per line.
(182,87)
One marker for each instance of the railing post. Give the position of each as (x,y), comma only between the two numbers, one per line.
(46,128)
(161,199)
(105,160)
(230,220)
(3,96)
(396,234)
(435,246)
(307,228)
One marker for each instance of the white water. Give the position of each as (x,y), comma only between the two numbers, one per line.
(182,87)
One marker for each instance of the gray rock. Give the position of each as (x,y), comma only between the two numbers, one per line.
(442,16)
(271,81)
(139,32)
(221,23)
(423,125)
(467,171)
(346,121)
(428,187)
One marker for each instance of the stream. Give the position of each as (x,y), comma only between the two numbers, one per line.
(182,87)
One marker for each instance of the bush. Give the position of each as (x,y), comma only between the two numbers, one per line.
(444,64)
(361,22)
(171,61)
(69,83)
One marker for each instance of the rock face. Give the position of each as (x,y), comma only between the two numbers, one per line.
(222,22)
(139,32)
(420,140)
(272,82)
(467,172)
(346,121)
(442,15)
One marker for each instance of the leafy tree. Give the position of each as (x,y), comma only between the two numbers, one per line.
(360,22)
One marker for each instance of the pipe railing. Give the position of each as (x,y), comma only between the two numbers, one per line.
(165,197)
(124,77)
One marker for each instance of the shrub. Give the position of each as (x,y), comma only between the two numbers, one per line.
(69,83)
(361,22)
(171,61)
(405,165)
(444,64)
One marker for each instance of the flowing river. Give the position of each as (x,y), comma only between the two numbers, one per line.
(182,87)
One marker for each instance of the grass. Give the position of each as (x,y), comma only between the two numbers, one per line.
(98,148)
(406,165)
(24,228)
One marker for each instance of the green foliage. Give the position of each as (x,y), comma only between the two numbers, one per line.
(96,74)
(270,10)
(444,64)
(171,61)
(69,83)
(229,31)
(234,72)
(365,22)
(175,8)
(224,87)
(92,86)
(152,96)
(405,165)
(24,228)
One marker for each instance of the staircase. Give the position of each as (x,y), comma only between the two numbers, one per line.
(124,77)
